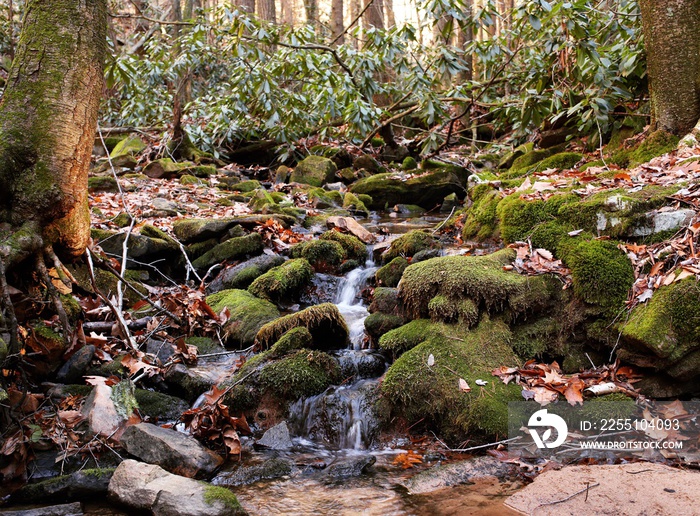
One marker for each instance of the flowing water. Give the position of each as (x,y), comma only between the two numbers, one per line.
(350,303)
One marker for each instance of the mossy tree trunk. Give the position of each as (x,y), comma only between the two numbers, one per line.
(48,116)
(672,39)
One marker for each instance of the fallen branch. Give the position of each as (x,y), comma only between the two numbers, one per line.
(584,490)
(105,326)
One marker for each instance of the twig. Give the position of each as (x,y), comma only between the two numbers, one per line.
(461,450)
(386,123)
(584,490)
(444,222)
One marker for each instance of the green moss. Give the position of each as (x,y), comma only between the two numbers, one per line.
(284,282)
(159,405)
(431,394)
(527,160)
(323,255)
(656,144)
(445,309)
(535,339)
(409,163)
(294,339)
(204,345)
(102,184)
(548,235)
(305,373)
(122,220)
(481,221)
(390,274)
(124,399)
(561,161)
(377,324)
(407,336)
(128,146)
(355,205)
(519,217)
(232,249)
(324,322)
(611,406)
(245,186)
(509,157)
(479,278)
(201,170)
(198,249)
(191,180)
(260,199)
(214,494)
(385,300)
(353,247)
(596,163)
(315,171)
(602,274)
(247,315)
(409,244)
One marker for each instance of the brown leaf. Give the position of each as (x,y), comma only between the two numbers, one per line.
(574,391)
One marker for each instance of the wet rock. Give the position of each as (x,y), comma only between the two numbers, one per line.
(104,417)
(150,488)
(390,274)
(377,324)
(276,438)
(315,171)
(350,225)
(188,383)
(284,283)
(361,364)
(160,406)
(69,509)
(74,368)
(171,450)
(440,477)
(232,249)
(410,244)
(247,315)
(160,349)
(350,466)
(246,475)
(243,274)
(449,203)
(325,323)
(425,254)
(87,483)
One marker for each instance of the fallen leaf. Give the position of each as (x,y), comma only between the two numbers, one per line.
(464,386)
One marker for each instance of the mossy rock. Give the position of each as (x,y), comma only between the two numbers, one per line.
(353,246)
(243,274)
(203,171)
(246,186)
(102,184)
(656,144)
(518,218)
(481,221)
(283,283)
(247,315)
(406,337)
(601,273)
(560,161)
(161,406)
(480,279)
(323,255)
(509,157)
(214,495)
(259,199)
(446,309)
(386,301)
(537,338)
(390,274)
(527,160)
(293,340)
(324,199)
(315,171)
(324,322)
(302,374)
(409,244)
(427,190)
(107,283)
(232,249)
(165,167)
(204,345)
(431,395)
(377,324)
(130,145)
(664,333)
(354,205)
(188,179)
(409,163)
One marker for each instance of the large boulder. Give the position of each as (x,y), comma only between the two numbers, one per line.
(148,487)
(242,275)
(315,171)
(247,315)
(283,283)
(427,190)
(231,249)
(173,451)
(325,323)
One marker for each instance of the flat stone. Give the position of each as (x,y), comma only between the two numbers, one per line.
(440,477)
(172,450)
(101,413)
(80,485)
(350,225)
(69,509)
(246,475)
(276,438)
(74,368)
(350,466)
(672,220)
(150,488)
(242,275)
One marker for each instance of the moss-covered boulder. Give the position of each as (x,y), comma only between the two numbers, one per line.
(353,247)
(160,406)
(242,275)
(354,205)
(431,394)
(377,324)
(386,301)
(390,274)
(302,374)
(102,184)
(406,337)
(232,249)
(664,333)
(509,157)
(315,171)
(480,279)
(324,322)
(409,244)
(165,168)
(199,230)
(291,341)
(130,146)
(323,255)
(481,221)
(284,282)
(656,144)
(247,315)
(427,190)
(246,186)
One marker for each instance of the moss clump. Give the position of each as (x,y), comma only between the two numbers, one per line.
(509,157)
(390,274)
(130,145)
(523,163)
(214,494)
(409,163)
(353,247)
(377,324)
(518,218)
(444,309)
(611,406)
(386,301)
(406,337)
(232,249)
(602,274)
(294,339)
(283,283)
(305,373)
(409,244)
(420,392)
(534,339)
(323,255)
(247,315)
(245,186)
(355,205)
(201,170)
(548,235)
(188,179)
(102,184)
(159,405)
(562,160)
(668,325)
(315,171)
(324,322)
(204,345)
(481,221)
(656,144)
(478,278)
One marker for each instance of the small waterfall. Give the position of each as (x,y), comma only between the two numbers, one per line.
(342,417)
(350,304)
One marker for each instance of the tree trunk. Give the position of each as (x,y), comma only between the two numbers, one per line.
(48,117)
(672,40)
(311,9)
(337,21)
(374,15)
(389,14)
(246,5)
(267,10)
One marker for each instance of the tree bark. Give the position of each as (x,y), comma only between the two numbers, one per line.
(267,10)
(247,5)
(374,15)
(672,40)
(48,117)
(337,21)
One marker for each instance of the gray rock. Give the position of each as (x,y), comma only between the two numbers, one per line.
(188,383)
(162,350)
(245,475)
(161,207)
(150,488)
(161,406)
(276,438)
(243,274)
(74,368)
(172,450)
(672,220)
(103,416)
(333,186)
(88,483)
(440,477)
(69,509)
(361,364)
(425,254)
(350,466)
